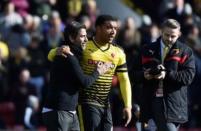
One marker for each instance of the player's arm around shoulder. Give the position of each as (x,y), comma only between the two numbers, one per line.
(60,51)
(52,54)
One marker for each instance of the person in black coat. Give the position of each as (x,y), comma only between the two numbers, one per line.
(66,76)
(166,75)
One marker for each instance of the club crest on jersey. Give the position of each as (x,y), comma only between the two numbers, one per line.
(90,50)
(113,55)
(176,51)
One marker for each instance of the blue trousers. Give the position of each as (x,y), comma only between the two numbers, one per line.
(159,116)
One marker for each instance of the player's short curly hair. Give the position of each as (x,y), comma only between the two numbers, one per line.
(103,18)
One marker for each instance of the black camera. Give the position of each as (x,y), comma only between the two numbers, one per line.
(155,68)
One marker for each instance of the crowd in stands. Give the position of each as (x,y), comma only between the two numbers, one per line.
(30,28)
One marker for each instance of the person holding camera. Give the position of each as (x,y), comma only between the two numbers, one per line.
(168,69)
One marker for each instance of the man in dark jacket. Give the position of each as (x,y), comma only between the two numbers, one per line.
(66,76)
(168,69)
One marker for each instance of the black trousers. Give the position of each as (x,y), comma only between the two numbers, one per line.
(61,121)
(94,118)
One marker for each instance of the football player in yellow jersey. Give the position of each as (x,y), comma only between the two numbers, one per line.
(94,110)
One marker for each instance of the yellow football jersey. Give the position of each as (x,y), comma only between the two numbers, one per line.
(115,58)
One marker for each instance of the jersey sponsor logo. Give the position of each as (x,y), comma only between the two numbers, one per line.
(94,62)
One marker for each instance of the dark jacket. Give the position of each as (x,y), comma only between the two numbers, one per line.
(66,77)
(180,67)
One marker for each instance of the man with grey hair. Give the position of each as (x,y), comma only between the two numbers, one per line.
(168,68)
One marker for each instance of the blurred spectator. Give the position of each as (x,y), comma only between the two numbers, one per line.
(20,94)
(36,65)
(191,19)
(89,9)
(28,22)
(39,7)
(145,29)
(164,6)
(129,36)
(74,8)
(197,7)
(15,64)
(32,24)
(4,51)
(21,6)
(69,10)
(154,32)
(17,37)
(193,38)
(149,33)
(179,11)
(30,116)
(84,19)
(52,4)
(195,97)
(8,17)
(3,70)
(52,32)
